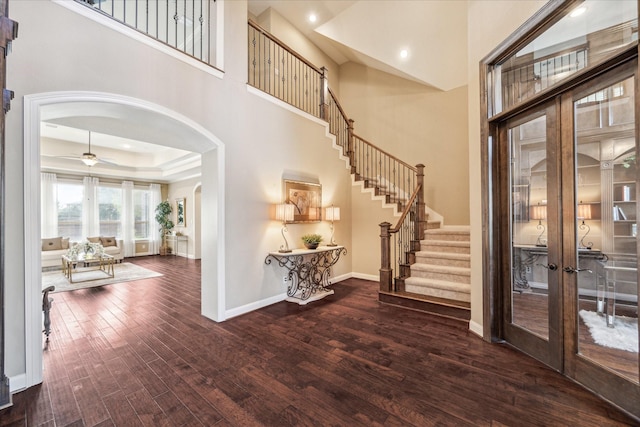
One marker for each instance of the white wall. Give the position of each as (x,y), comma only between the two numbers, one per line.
(490,22)
(58,50)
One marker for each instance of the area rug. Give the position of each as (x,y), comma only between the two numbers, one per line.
(125,272)
(623,337)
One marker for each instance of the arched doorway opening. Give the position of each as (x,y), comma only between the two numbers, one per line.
(116,107)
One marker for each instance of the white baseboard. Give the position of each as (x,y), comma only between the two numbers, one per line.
(17,383)
(363,276)
(340,278)
(244,309)
(476,328)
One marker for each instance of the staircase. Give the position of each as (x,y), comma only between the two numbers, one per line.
(423,266)
(443,265)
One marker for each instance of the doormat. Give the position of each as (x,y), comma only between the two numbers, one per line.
(624,336)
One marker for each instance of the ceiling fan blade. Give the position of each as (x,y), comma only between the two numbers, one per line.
(107,162)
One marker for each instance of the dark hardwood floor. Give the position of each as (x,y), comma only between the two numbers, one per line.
(139,353)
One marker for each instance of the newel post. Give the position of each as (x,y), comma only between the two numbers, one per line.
(385,258)
(350,145)
(421,222)
(324,94)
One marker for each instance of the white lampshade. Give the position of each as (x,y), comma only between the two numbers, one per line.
(284,212)
(539,212)
(332,213)
(584,211)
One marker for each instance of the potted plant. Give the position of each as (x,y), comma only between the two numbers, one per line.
(163,218)
(311,241)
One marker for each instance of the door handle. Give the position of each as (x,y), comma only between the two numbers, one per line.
(572,270)
(551,266)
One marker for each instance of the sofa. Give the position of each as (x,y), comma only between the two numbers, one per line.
(54,248)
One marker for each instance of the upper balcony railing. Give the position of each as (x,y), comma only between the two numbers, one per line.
(185,25)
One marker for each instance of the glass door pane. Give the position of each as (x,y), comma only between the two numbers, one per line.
(606,228)
(529,255)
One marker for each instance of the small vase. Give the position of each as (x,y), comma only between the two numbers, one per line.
(311,245)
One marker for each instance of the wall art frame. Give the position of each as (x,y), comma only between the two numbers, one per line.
(306,198)
(181,212)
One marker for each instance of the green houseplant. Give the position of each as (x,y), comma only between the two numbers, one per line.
(163,218)
(311,241)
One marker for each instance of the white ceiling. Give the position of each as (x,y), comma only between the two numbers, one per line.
(373,32)
(142,144)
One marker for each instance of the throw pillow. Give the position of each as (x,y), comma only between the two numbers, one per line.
(52,244)
(108,241)
(93,239)
(64,243)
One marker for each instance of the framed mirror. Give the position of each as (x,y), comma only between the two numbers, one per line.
(181,216)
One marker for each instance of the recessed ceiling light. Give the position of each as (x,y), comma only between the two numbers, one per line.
(313,17)
(578,11)
(404,53)
(127,146)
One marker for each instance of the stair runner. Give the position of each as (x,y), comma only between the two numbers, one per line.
(442,267)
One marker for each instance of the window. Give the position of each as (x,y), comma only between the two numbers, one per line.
(70,197)
(574,43)
(142,213)
(110,210)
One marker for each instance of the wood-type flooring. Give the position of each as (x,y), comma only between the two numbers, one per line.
(140,354)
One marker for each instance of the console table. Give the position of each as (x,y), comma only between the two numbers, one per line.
(309,271)
(527,257)
(175,244)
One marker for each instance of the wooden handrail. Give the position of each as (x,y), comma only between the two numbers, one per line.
(406,211)
(283,45)
(335,99)
(413,168)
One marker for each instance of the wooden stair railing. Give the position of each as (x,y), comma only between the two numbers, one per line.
(406,235)
(281,72)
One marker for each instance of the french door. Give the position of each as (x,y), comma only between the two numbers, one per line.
(532,316)
(570,186)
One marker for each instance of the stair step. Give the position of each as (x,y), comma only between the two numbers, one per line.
(443,258)
(447,233)
(439,288)
(442,272)
(461,247)
(450,309)
(432,225)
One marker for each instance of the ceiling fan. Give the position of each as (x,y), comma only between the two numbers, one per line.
(89,158)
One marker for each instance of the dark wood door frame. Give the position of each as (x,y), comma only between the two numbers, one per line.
(8,32)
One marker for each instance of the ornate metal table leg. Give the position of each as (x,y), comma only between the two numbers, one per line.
(46,307)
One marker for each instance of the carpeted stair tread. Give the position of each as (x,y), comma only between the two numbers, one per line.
(447,234)
(463,271)
(439,288)
(458,243)
(444,255)
(441,272)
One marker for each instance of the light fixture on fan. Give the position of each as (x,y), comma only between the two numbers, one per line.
(89,158)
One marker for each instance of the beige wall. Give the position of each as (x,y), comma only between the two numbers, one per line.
(417,124)
(367,216)
(490,22)
(184,189)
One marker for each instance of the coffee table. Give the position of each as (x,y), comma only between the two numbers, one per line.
(102,262)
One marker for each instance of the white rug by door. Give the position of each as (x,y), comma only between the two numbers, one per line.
(623,337)
(124,272)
